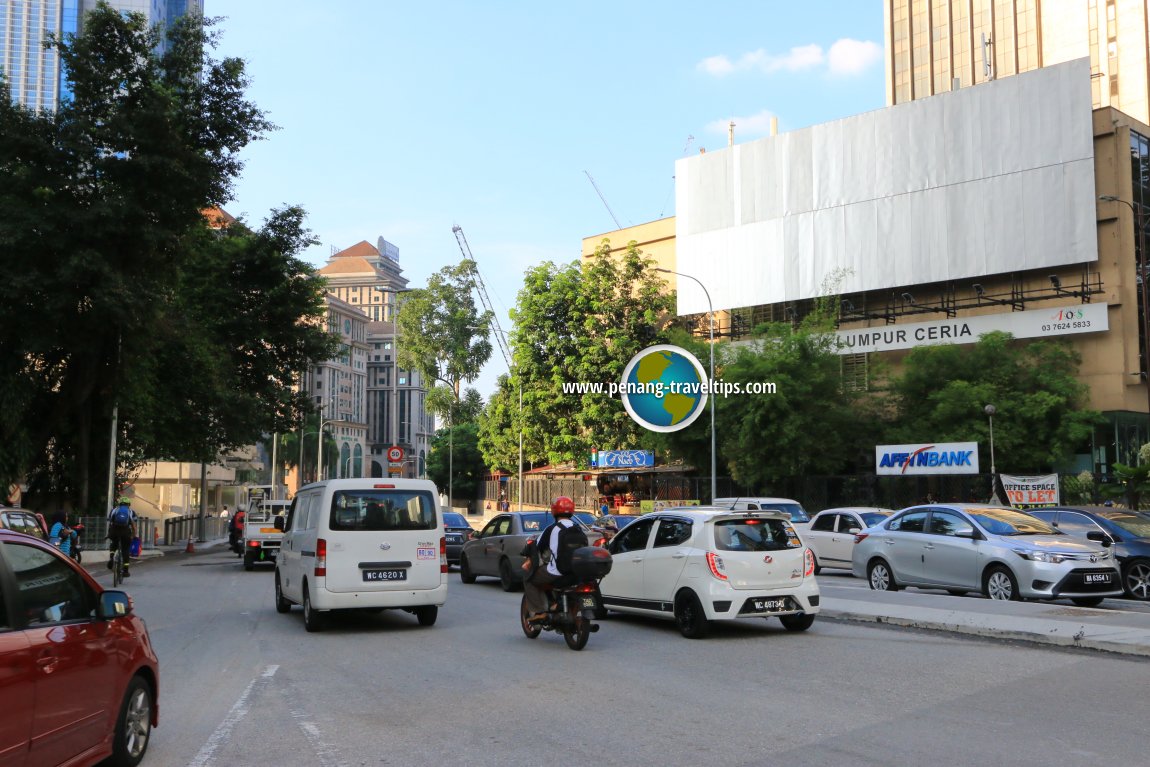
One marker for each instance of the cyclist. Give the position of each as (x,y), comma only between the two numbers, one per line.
(121,530)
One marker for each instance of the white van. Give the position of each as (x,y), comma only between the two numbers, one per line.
(353,544)
(789,506)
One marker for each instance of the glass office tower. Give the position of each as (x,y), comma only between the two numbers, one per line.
(34,74)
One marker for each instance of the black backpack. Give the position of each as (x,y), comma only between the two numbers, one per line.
(570,539)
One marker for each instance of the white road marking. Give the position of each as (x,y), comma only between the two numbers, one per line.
(238,711)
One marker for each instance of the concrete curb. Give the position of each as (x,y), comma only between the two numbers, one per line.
(1080,636)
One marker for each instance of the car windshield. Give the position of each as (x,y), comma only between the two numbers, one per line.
(536,522)
(586,517)
(872,518)
(1135,524)
(795,510)
(755,534)
(451,519)
(1009,522)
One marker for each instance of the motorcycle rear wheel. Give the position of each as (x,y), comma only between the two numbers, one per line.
(578,629)
(531,630)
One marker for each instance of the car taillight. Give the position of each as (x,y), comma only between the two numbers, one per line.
(443,554)
(320,558)
(715,562)
(860,537)
(254,544)
(809,563)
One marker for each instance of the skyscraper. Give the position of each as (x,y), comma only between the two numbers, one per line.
(33,72)
(934,46)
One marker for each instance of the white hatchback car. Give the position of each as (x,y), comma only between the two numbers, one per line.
(831,533)
(699,564)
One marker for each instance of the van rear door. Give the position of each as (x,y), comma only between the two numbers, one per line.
(383,539)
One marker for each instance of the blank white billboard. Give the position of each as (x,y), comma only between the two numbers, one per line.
(988,179)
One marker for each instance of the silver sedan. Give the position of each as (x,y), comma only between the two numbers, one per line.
(1003,553)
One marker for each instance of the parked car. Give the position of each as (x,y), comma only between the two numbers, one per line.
(701,564)
(80,677)
(458,531)
(831,533)
(1003,553)
(23,521)
(1128,531)
(791,507)
(494,550)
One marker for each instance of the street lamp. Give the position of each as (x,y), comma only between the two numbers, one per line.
(1143,273)
(395,435)
(990,410)
(710,394)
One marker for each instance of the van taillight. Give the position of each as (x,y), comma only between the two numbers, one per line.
(442,554)
(320,558)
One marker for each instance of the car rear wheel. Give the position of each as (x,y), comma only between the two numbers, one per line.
(1137,579)
(134,726)
(1087,601)
(465,573)
(507,578)
(313,619)
(999,583)
(689,616)
(881,578)
(427,614)
(282,605)
(797,622)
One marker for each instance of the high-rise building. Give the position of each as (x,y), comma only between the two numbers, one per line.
(935,46)
(34,72)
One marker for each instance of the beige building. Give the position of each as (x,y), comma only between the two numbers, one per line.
(935,46)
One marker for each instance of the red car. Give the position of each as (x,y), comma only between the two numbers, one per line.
(78,676)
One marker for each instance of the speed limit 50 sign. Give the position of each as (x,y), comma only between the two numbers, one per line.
(395,454)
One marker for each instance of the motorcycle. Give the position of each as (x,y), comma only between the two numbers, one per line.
(77,551)
(573,608)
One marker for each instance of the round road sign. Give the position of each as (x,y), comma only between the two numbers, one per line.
(395,454)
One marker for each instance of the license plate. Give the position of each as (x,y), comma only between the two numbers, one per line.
(1097,577)
(589,602)
(454,539)
(385,575)
(769,605)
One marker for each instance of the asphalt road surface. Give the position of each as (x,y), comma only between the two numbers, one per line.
(243,685)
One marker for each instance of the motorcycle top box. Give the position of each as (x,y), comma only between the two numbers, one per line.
(590,562)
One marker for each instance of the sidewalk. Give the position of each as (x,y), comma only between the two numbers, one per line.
(96,560)
(1121,627)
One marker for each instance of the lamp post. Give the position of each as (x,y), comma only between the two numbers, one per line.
(990,410)
(1143,273)
(319,456)
(711,373)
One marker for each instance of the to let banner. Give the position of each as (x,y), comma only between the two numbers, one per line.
(1031,492)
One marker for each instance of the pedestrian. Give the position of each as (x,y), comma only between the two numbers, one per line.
(60,535)
(224,513)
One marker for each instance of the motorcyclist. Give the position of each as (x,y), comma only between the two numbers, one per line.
(121,530)
(236,531)
(562,508)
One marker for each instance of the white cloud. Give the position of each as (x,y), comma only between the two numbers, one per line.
(752,125)
(845,57)
(849,57)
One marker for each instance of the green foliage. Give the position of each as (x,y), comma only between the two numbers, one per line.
(498,436)
(577,323)
(468,466)
(445,336)
(1133,482)
(1078,490)
(1040,417)
(115,290)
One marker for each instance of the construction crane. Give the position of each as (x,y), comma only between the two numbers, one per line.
(481,288)
(604,199)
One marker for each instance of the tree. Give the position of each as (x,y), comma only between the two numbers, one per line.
(116,294)
(469,467)
(581,323)
(1041,418)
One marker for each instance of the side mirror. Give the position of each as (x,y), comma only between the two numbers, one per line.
(854,529)
(278,523)
(1100,537)
(964,532)
(113,604)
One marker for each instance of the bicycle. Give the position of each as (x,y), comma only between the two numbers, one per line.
(117,567)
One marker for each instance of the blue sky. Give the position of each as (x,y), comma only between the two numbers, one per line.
(404,119)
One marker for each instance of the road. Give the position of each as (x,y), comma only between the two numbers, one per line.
(243,685)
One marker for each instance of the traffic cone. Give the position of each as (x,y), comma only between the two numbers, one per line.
(191,549)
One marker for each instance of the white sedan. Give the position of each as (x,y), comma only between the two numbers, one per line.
(831,533)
